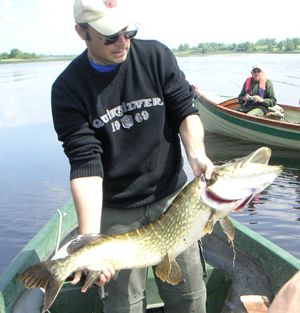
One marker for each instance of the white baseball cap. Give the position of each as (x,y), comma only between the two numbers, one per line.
(257,66)
(107,17)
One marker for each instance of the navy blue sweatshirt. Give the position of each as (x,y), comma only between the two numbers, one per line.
(123,125)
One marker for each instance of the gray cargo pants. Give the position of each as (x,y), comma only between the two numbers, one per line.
(126,294)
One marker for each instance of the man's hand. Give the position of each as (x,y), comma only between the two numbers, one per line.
(257,99)
(201,164)
(247,97)
(104,277)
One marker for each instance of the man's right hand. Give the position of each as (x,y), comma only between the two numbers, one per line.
(104,277)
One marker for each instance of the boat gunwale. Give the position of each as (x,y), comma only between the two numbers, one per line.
(33,252)
(10,281)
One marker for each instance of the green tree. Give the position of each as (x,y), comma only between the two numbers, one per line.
(15,53)
(289,45)
(296,42)
(4,56)
(246,47)
(280,45)
(183,47)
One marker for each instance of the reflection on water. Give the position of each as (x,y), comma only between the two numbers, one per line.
(25,92)
(34,183)
(34,172)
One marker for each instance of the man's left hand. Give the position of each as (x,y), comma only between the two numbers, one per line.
(258,99)
(201,164)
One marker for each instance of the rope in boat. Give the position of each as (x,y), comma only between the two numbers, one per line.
(101,292)
(58,237)
(59,230)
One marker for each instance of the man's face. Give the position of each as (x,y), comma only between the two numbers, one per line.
(256,74)
(107,50)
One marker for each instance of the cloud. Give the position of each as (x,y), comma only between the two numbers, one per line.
(194,21)
(6,14)
(44,26)
(5,5)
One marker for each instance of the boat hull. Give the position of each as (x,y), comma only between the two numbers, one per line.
(222,119)
(257,266)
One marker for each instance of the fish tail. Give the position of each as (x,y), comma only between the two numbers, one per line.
(44,275)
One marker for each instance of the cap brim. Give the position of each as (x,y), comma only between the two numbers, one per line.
(112,23)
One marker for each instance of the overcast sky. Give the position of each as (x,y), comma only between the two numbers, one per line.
(47,26)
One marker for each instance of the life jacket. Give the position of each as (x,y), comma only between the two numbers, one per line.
(261,87)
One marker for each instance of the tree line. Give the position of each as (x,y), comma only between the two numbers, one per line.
(17,54)
(262,45)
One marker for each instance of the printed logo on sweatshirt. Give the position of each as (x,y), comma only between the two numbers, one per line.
(118,118)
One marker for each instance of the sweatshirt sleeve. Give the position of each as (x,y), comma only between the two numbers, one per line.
(71,123)
(178,93)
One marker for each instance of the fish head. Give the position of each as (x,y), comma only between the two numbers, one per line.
(234,184)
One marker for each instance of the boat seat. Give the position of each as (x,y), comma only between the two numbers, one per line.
(255,303)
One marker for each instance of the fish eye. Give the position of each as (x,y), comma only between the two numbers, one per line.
(202,178)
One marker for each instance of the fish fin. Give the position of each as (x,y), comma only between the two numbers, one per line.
(175,276)
(43,275)
(169,271)
(82,240)
(228,228)
(91,278)
(209,226)
(163,269)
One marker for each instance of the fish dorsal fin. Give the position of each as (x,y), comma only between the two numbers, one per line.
(82,240)
(228,228)
(168,271)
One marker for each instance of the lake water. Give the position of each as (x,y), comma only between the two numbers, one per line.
(34,173)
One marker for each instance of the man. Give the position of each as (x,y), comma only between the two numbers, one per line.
(288,297)
(257,94)
(286,300)
(118,109)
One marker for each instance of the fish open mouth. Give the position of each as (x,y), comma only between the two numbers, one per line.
(233,185)
(218,202)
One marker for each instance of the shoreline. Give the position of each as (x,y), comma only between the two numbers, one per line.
(44,59)
(188,53)
(196,53)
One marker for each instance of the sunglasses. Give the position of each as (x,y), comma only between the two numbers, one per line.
(109,40)
(256,71)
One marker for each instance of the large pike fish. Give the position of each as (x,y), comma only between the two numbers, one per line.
(191,215)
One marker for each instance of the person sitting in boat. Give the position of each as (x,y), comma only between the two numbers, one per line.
(257,94)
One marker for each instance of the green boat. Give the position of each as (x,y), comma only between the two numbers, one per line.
(220,116)
(254,266)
